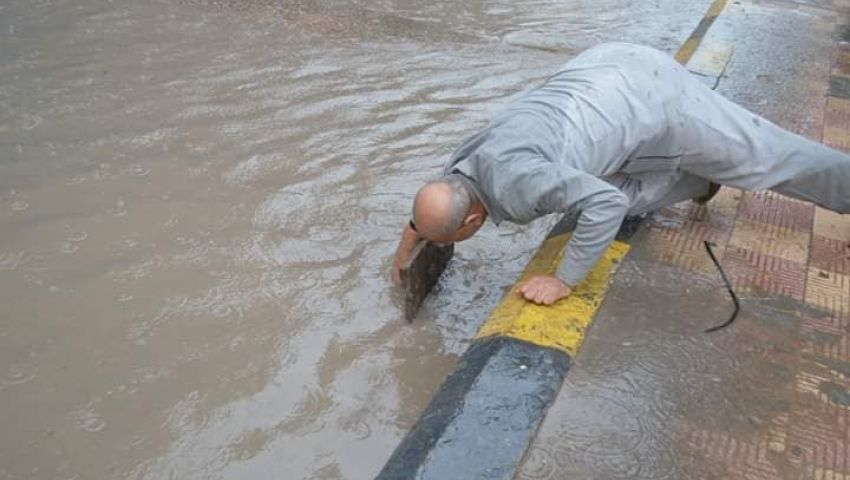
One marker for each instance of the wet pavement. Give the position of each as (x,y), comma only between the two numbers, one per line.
(198,204)
(651,396)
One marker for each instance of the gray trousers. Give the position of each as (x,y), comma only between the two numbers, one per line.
(724,143)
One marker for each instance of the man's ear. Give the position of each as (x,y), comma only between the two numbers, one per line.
(473,219)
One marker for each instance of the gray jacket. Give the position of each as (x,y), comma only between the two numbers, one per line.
(551,150)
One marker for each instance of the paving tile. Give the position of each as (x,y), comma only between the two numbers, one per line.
(764,274)
(725,202)
(829,291)
(813,439)
(826,474)
(683,249)
(817,429)
(839,86)
(773,240)
(820,326)
(734,455)
(830,254)
(831,225)
(842,63)
(775,209)
(682,245)
(720,213)
(815,435)
(807,383)
(777,433)
(836,128)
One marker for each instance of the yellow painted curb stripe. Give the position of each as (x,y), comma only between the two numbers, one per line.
(715,9)
(560,326)
(690,46)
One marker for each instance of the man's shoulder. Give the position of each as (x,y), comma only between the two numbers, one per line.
(605,53)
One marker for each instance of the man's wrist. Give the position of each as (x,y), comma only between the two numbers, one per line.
(566,284)
(410,230)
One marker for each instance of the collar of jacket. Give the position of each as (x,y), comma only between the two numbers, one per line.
(467,170)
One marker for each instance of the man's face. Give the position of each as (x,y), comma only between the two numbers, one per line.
(466,231)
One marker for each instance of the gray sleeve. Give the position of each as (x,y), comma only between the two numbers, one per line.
(548,188)
(602,213)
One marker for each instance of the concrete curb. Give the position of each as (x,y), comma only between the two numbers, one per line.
(481,421)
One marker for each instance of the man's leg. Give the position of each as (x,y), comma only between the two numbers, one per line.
(727,144)
(652,192)
(826,183)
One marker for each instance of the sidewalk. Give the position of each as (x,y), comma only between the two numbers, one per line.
(652,396)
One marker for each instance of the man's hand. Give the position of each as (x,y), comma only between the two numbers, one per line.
(396,273)
(544,289)
(409,239)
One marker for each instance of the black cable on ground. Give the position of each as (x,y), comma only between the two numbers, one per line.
(728,287)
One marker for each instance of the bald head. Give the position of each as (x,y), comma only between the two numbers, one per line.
(441,206)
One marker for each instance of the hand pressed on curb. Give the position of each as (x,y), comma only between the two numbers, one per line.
(544,289)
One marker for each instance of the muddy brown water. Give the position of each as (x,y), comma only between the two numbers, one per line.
(198,205)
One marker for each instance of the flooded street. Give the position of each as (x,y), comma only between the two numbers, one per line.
(199,201)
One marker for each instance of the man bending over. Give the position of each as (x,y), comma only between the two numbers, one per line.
(621,129)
